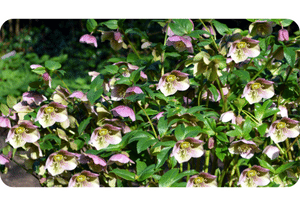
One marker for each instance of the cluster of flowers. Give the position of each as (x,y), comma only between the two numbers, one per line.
(110,125)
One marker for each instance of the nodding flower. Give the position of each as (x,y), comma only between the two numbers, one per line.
(254,176)
(84,179)
(89,39)
(202,180)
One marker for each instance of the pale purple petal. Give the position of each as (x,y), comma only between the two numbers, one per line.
(5,122)
(271,151)
(89,39)
(123,111)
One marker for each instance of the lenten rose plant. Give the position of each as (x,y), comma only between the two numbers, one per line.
(154,103)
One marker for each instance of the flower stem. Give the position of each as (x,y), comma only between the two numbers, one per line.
(131,45)
(214,163)
(287,142)
(62,82)
(233,169)
(224,108)
(206,163)
(163,52)
(289,147)
(155,134)
(188,168)
(251,117)
(207,29)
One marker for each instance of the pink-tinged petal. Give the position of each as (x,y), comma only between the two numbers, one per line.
(89,39)
(121,158)
(264,81)
(33,96)
(114,139)
(5,122)
(93,74)
(247,155)
(124,111)
(97,160)
(266,93)
(3,160)
(57,105)
(247,89)
(272,152)
(182,85)
(227,116)
(283,35)
(262,180)
(47,122)
(70,164)
(59,117)
(132,67)
(190,182)
(159,115)
(283,111)
(134,89)
(31,137)
(80,95)
(253,97)
(168,90)
(291,132)
(196,152)
(289,121)
(143,76)
(118,37)
(35,66)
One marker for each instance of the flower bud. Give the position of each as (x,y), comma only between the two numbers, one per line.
(283,35)
(211,143)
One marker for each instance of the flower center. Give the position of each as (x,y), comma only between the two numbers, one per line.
(103,132)
(58,158)
(281,125)
(20,130)
(243,148)
(198,180)
(80,178)
(185,145)
(49,109)
(171,78)
(241,45)
(251,173)
(255,86)
(180,45)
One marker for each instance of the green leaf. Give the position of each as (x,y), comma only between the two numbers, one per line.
(234,133)
(262,129)
(135,76)
(83,125)
(137,97)
(243,75)
(94,95)
(265,164)
(247,127)
(180,132)
(6,150)
(138,135)
(163,156)
(269,112)
(97,83)
(286,22)
(168,178)
(79,143)
(220,27)
(112,69)
(130,176)
(52,137)
(46,145)
(162,126)
(52,65)
(196,109)
(4,109)
(39,70)
(143,144)
(181,26)
(146,173)
(140,166)
(111,24)
(185,173)
(284,167)
(91,25)
(290,55)
(214,91)
(192,131)
(222,137)
(197,33)
(124,80)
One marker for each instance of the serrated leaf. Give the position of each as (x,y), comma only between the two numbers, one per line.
(181,26)
(290,55)
(94,95)
(143,144)
(162,125)
(247,127)
(284,167)
(163,156)
(83,125)
(196,109)
(222,137)
(52,137)
(243,75)
(146,173)
(265,164)
(220,27)
(130,176)
(214,91)
(79,143)
(4,109)
(46,145)
(262,129)
(197,33)
(140,166)
(52,65)
(112,69)
(39,70)
(168,178)
(111,24)
(233,133)
(286,22)
(180,132)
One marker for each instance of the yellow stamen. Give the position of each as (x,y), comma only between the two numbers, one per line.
(243,148)
(58,158)
(180,45)
(20,130)
(281,125)
(81,178)
(255,86)
(171,78)
(103,132)
(185,145)
(251,173)
(241,45)
(49,109)
(198,180)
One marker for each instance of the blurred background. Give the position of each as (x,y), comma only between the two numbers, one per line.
(38,40)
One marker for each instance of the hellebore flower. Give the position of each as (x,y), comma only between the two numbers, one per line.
(181,43)
(114,37)
(84,179)
(271,151)
(128,69)
(159,115)
(118,92)
(258,89)
(4,160)
(123,111)
(243,147)
(89,39)
(34,150)
(202,180)
(175,80)
(243,48)
(283,111)
(211,31)
(22,133)
(118,123)
(282,129)
(23,108)
(120,159)
(33,97)
(105,135)
(94,162)
(60,161)
(283,35)
(228,116)
(133,90)
(51,113)
(254,176)
(261,28)
(60,95)
(79,95)
(186,149)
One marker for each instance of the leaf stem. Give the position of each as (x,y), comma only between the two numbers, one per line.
(206,163)
(151,124)
(212,38)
